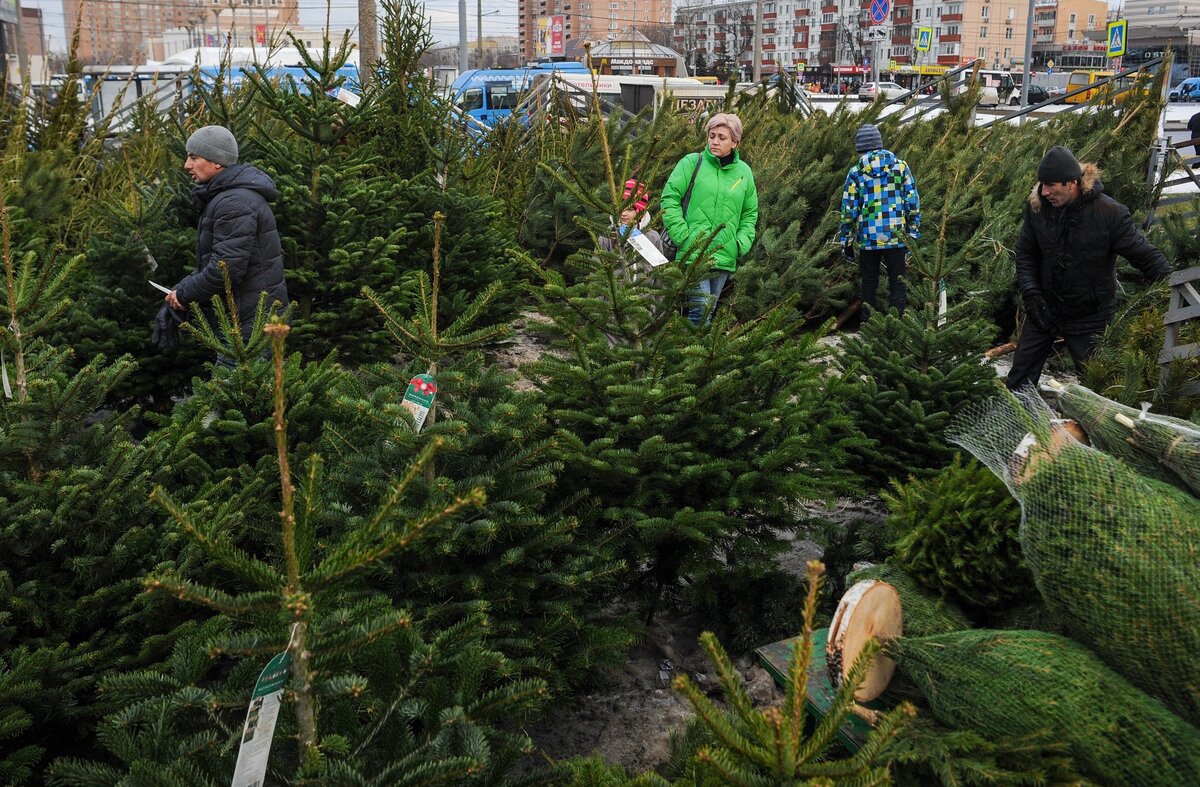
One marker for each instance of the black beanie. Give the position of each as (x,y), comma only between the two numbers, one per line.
(1059,166)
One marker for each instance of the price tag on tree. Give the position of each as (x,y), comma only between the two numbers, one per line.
(646,249)
(259,728)
(419,397)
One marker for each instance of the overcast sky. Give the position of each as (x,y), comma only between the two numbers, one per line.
(500,17)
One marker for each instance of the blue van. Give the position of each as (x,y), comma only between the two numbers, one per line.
(490,95)
(1187,90)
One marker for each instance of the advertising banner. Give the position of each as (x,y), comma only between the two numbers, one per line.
(8,11)
(550,35)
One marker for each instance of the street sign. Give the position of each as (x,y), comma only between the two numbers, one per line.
(924,38)
(877,33)
(866,62)
(880,10)
(1118,32)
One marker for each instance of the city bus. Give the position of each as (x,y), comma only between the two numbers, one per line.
(489,95)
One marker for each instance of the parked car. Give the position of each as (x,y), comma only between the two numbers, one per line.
(888,90)
(1037,94)
(1187,90)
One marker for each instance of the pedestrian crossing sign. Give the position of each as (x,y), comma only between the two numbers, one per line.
(1117,35)
(924,38)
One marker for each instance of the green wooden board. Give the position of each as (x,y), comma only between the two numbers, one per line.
(776,658)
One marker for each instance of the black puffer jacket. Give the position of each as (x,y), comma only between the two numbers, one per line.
(238,227)
(1069,254)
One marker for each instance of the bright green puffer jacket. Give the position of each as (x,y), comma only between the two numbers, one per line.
(723,197)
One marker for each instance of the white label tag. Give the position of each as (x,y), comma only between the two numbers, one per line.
(346,97)
(4,377)
(648,250)
(259,729)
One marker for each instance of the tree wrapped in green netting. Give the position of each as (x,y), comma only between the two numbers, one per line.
(1157,445)
(924,613)
(1006,684)
(1113,552)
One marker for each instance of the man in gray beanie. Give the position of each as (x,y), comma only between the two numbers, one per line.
(881,210)
(1067,262)
(236,228)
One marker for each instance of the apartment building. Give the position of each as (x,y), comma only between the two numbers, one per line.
(117,31)
(720,36)
(966,30)
(587,20)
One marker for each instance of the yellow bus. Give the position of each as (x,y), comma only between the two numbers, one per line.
(1079,79)
(1114,92)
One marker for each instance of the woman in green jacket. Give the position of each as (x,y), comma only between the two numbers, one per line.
(723,206)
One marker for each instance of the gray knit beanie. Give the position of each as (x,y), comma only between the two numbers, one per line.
(215,143)
(868,138)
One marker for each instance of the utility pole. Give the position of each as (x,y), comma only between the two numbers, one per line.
(462,35)
(22,53)
(479,34)
(1028,61)
(758,25)
(368,41)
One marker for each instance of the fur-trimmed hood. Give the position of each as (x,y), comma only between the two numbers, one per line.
(1090,187)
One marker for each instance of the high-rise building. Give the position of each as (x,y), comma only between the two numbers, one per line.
(585,20)
(116,31)
(719,37)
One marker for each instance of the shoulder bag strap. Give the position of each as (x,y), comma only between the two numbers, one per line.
(687,195)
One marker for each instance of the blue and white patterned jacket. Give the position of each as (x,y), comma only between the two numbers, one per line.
(880,205)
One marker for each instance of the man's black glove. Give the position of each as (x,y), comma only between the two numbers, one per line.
(848,252)
(1039,313)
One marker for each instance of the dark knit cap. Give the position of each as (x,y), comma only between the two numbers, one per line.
(1059,166)
(868,138)
(215,143)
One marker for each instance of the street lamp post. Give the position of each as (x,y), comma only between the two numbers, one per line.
(1028,61)
(217,25)
(233,40)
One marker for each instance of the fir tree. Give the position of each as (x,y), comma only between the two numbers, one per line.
(693,443)
(77,531)
(956,534)
(373,695)
(350,216)
(909,378)
(519,557)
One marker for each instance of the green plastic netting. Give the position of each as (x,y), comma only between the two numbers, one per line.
(1004,684)
(1115,555)
(924,613)
(1157,445)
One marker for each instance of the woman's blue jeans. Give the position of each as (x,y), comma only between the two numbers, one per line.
(704,297)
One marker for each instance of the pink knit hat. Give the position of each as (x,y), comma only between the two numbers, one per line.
(632,187)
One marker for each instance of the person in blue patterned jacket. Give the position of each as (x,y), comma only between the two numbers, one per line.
(881,210)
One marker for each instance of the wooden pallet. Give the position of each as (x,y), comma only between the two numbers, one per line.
(777,657)
(1183,306)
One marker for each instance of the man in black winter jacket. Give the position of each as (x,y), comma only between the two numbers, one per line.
(1067,262)
(236,227)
